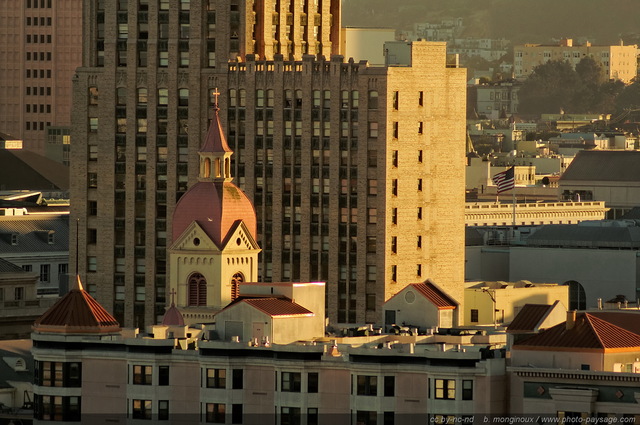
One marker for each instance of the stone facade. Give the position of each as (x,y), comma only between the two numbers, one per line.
(356,172)
(40,45)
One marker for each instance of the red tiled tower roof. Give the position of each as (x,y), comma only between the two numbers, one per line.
(77,312)
(215,206)
(215,203)
(215,140)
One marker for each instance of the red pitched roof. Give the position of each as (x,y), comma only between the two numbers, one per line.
(589,332)
(529,317)
(434,294)
(273,306)
(77,312)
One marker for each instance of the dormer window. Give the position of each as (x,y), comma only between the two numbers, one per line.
(51,238)
(14,239)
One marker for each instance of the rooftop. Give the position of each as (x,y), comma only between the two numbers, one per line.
(590,332)
(604,166)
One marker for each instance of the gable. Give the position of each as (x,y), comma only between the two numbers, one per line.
(239,239)
(194,238)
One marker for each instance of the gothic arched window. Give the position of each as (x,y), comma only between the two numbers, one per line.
(236,280)
(197,290)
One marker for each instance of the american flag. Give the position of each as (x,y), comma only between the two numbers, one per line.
(505,180)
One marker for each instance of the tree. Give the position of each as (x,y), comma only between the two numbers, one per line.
(629,97)
(549,89)
(555,86)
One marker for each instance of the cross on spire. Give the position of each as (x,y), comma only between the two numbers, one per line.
(172,293)
(215,93)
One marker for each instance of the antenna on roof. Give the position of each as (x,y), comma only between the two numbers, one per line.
(77,230)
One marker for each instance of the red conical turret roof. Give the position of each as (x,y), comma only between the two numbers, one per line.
(215,142)
(77,313)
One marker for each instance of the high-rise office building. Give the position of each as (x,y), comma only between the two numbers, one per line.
(356,172)
(40,48)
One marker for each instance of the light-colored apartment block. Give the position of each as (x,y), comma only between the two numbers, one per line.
(618,62)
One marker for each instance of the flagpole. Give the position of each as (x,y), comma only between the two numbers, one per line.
(513,192)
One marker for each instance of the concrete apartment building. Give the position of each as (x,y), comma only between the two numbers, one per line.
(40,48)
(87,367)
(618,62)
(338,157)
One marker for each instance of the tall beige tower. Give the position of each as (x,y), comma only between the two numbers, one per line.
(40,48)
(356,172)
(214,234)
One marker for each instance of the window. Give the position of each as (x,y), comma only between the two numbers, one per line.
(93,125)
(373,99)
(394,273)
(18,293)
(163,410)
(389,386)
(290,416)
(237,378)
(163,375)
(394,216)
(141,409)
(394,244)
(394,159)
(163,96)
(467,389)
(197,290)
(419,213)
(372,187)
(419,270)
(419,242)
(420,156)
(373,129)
(367,385)
(445,389)
(312,382)
(474,315)
(291,382)
(394,187)
(419,185)
(45,272)
(396,99)
(93,95)
(371,273)
(216,378)
(92,264)
(236,413)
(421,98)
(57,408)
(215,413)
(142,375)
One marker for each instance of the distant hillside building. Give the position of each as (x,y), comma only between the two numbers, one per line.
(618,62)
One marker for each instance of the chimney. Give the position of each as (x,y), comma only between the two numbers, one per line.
(571,319)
